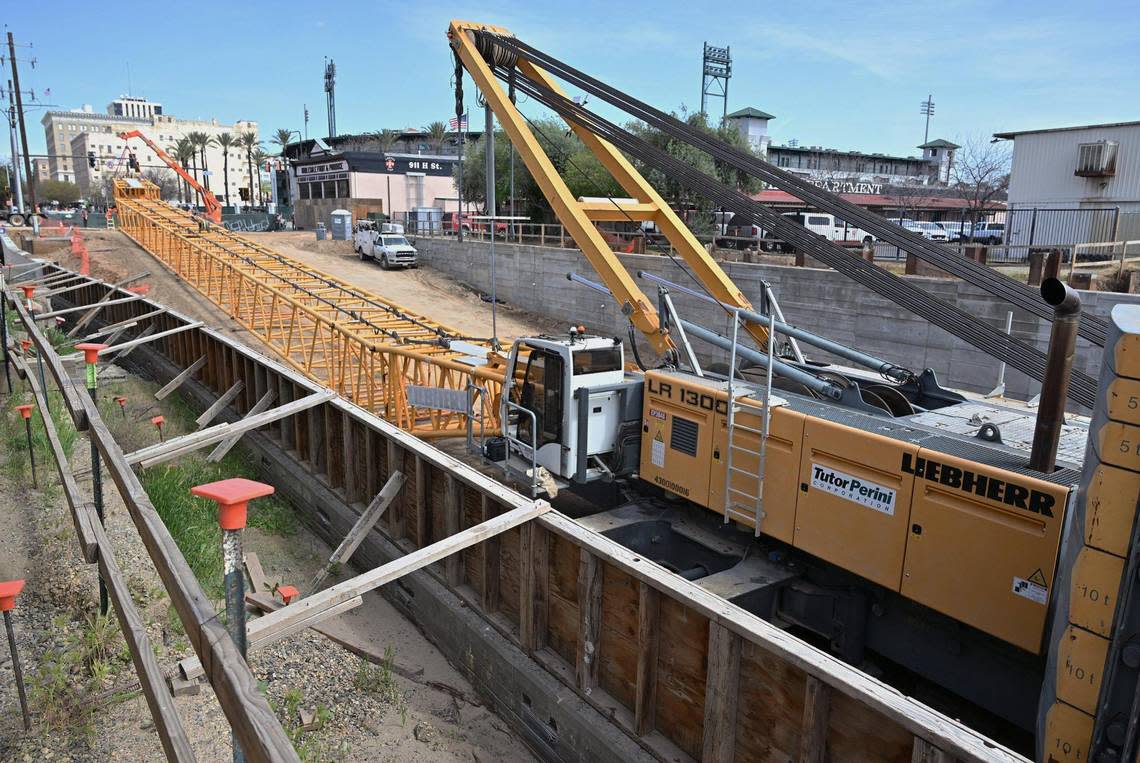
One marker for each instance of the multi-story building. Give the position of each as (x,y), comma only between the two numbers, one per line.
(845,169)
(73,137)
(41,169)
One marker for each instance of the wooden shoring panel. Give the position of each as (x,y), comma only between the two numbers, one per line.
(489,559)
(648,637)
(510,555)
(859,734)
(681,664)
(472,514)
(588,656)
(348,456)
(398,515)
(334,447)
(534,586)
(453,523)
(769,722)
(722,693)
(562,613)
(617,638)
(420,529)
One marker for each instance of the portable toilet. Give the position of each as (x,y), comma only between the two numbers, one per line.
(341,225)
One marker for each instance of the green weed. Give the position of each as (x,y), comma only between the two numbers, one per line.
(193,521)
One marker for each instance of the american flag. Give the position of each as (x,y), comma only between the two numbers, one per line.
(455,124)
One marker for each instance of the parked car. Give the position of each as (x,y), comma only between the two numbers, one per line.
(747,236)
(928,230)
(451,221)
(988,233)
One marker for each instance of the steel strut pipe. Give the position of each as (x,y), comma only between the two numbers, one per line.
(780,368)
(890,370)
(814,383)
(1066,305)
(232,497)
(17,670)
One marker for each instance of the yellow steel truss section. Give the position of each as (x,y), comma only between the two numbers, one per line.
(578,217)
(364,347)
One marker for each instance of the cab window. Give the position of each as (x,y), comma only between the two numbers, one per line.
(597,360)
(541,394)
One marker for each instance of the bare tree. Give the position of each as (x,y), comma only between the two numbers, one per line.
(980,174)
(165,180)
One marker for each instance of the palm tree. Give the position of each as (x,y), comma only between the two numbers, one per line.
(226,141)
(201,140)
(437,134)
(281,138)
(185,153)
(385,139)
(249,142)
(259,158)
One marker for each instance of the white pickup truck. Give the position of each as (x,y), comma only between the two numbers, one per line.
(384,242)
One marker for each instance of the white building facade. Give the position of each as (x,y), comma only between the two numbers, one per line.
(73,136)
(1087,176)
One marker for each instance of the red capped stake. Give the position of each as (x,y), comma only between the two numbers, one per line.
(9,590)
(25,410)
(90,351)
(25,345)
(158,421)
(232,496)
(288,592)
(29,291)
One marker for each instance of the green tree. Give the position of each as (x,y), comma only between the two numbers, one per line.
(185,154)
(281,138)
(226,141)
(385,139)
(59,190)
(579,169)
(436,135)
(249,142)
(259,158)
(201,141)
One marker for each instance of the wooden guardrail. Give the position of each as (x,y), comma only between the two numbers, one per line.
(246,709)
(682,672)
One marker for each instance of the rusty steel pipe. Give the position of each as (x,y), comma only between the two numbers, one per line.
(1066,305)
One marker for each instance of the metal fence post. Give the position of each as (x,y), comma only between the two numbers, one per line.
(26,412)
(9,590)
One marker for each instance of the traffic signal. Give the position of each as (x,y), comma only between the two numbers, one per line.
(133,161)
(91,159)
(243,192)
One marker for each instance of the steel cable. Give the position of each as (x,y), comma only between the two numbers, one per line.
(1091,327)
(1016,353)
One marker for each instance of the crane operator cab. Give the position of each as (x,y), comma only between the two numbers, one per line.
(570,411)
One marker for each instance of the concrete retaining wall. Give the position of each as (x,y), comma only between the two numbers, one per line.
(819,300)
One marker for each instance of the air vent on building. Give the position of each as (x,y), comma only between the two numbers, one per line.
(684,436)
(1096,159)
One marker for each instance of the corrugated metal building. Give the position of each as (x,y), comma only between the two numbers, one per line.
(1075,184)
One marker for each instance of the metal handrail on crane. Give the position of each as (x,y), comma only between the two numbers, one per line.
(213,206)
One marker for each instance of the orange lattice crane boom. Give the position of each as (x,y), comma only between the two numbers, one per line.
(213,207)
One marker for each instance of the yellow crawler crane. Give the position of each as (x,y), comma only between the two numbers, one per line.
(368,349)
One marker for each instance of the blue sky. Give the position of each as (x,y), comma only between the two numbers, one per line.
(846,75)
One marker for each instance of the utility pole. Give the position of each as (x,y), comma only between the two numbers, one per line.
(927,108)
(16,186)
(306,107)
(23,133)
